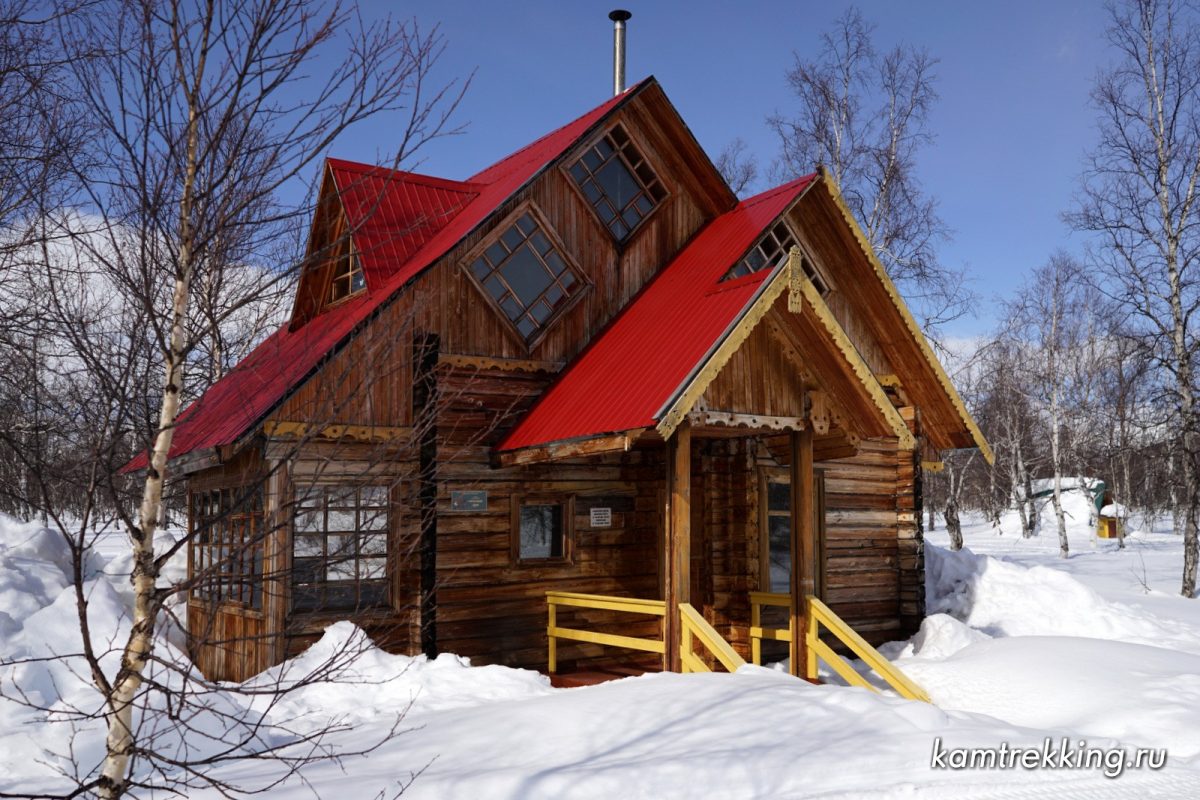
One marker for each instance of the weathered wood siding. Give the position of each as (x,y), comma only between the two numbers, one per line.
(489,607)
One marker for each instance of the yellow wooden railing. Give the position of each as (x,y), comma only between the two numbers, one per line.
(693,627)
(820,615)
(757,632)
(600,602)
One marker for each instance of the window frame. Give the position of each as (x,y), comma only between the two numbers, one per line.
(216,590)
(385,580)
(568,534)
(350,256)
(782,475)
(640,145)
(546,229)
(824,287)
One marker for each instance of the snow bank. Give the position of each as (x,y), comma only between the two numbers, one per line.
(1004,599)
(1145,696)
(349,665)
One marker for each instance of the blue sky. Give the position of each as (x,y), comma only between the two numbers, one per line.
(1011,125)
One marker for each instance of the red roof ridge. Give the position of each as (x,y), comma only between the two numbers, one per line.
(447,184)
(498,167)
(769,194)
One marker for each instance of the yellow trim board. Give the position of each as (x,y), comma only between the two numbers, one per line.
(783,277)
(909,321)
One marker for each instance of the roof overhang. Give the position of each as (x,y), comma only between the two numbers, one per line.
(945,418)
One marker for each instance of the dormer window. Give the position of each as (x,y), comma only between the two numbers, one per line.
(527,275)
(618,182)
(347,276)
(768,251)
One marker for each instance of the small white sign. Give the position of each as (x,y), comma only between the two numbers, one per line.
(601,517)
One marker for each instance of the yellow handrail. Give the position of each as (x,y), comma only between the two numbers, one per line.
(820,614)
(694,626)
(632,605)
(757,631)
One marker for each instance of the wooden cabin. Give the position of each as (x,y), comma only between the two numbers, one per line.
(584,391)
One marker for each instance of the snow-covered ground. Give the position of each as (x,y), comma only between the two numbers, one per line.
(1019,646)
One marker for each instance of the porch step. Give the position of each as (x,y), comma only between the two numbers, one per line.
(571,680)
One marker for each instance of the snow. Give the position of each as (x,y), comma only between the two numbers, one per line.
(1114,510)
(1019,645)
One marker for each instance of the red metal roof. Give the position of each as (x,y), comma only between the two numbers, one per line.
(402,223)
(626,376)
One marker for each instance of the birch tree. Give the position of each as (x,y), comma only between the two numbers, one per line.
(864,115)
(1139,199)
(209,120)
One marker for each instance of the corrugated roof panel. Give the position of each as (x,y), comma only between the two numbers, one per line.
(635,366)
(417,221)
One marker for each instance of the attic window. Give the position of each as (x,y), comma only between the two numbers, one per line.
(618,183)
(769,251)
(526,275)
(347,277)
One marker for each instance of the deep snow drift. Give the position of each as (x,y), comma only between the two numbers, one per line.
(1019,646)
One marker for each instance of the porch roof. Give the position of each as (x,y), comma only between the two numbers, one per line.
(631,373)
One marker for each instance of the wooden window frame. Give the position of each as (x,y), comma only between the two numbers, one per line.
(221,524)
(386,580)
(547,230)
(350,257)
(641,148)
(767,476)
(568,534)
(814,273)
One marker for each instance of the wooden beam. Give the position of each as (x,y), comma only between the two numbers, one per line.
(733,419)
(933,466)
(803,545)
(503,364)
(677,541)
(288,429)
(614,443)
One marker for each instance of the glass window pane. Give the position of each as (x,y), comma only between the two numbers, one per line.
(578,173)
(373,594)
(341,519)
(307,570)
(512,308)
(373,520)
(605,148)
(512,238)
(372,568)
(644,205)
(554,294)
(372,545)
(556,264)
(591,191)
(480,268)
(541,312)
(495,287)
(541,534)
(779,496)
(309,545)
(376,496)
(306,597)
(780,546)
(357,281)
(617,182)
(526,327)
(618,228)
(593,159)
(496,253)
(632,218)
(540,243)
(310,520)
(526,224)
(526,275)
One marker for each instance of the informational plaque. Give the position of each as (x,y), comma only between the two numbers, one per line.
(473,500)
(601,517)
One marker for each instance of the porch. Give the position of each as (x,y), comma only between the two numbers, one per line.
(701,648)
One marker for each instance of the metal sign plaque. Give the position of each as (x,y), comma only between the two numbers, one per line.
(473,500)
(601,517)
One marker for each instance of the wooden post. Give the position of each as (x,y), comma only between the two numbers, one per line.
(802,547)
(677,544)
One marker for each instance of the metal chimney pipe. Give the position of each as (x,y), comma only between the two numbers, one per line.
(619,16)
